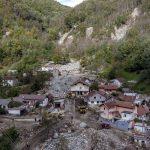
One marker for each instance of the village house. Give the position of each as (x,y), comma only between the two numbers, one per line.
(140,127)
(131,94)
(127,98)
(17,111)
(142,112)
(4,103)
(96,98)
(10,81)
(80,88)
(58,106)
(109,88)
(127,115)
(114,109)
(139,101)
(31,100)
(59,103)
(126,110)
(130,97)
(117,82)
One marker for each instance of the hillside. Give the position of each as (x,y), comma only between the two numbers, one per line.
(127,56)
(27,31)
(30,30)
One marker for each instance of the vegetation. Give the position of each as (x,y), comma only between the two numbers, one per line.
(27,32)
(128,58)
(94,86)
(8,138)
(13,104)
(121,20)
(2,111)
(28,83)
(8,91)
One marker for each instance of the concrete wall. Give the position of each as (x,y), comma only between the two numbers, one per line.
(16,112)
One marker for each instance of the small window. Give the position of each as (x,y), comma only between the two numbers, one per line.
(104,108)
(92,102)
(94,97)
(124,115)
(97,102)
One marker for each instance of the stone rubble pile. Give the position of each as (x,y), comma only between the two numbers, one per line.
(87,139)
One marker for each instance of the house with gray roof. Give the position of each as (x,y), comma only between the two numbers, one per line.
(31,100)
(4,103)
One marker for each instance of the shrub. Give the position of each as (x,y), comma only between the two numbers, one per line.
(9,136)
(13,104)
(122,19)
(94,86)
(2,111)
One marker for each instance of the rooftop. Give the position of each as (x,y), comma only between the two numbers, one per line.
(4,101)
(108,87)
(29,97)
(122,104)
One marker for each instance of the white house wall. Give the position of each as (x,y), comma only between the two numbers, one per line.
(14,112)
(125,116)
(80,87)
(97,97)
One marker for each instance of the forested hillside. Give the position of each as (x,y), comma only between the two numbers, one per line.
(28,29)
(128,57)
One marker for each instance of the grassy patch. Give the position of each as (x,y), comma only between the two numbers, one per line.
(142,87)
(128,75)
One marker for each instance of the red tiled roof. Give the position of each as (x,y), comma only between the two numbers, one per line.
(142,110)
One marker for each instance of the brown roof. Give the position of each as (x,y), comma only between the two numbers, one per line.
(119,104)
(110,104)
(125,104)
(96,92)
(142,110)
(127,98)
(108,87)
(82,82)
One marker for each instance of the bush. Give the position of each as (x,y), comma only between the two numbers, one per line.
(2,111)
(121,20)
(94,86)
(13,104)
(138,120)
(9,136)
